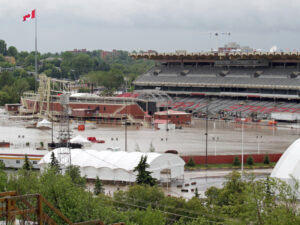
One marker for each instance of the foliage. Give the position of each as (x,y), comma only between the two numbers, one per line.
(196,193)
(236,161)
(239,201)
(54,164)
(250,161)
(151,148)
(267,160)
(108,73)
(98,189)
(3,49)
(144,176)
(12,51)
(27,164)
(2,165)
(191,162)
(3,177)
(74,173)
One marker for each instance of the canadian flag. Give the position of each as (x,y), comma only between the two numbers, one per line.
(29,16)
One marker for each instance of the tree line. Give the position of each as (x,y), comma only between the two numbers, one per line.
(241,200)
(111,72)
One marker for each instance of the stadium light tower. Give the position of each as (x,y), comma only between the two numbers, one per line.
(242,167)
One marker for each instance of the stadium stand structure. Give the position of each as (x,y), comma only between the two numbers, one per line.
(232,84)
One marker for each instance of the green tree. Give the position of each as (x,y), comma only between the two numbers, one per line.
(236,161)
(54,164)
(250,161)
(98,189)
(267,160)
(4,98)
(3,177)
(196,193)
(27,164)
(3,49)
(144,176)
(191,162)
(12,51)
(74,172)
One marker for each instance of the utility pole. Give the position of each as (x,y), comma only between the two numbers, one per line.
(206,136)
(35,58)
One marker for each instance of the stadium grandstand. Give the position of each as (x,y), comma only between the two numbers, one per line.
(224,83)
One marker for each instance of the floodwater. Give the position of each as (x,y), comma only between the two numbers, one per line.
(223,137)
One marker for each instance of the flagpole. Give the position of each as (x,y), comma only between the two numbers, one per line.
(36,72)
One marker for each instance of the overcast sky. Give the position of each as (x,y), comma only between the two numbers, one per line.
(162,25)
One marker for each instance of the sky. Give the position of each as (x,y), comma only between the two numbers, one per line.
(161,25)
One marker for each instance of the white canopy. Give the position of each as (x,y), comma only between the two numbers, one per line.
(117,166)
(43,123)
(80,139)
(289,164)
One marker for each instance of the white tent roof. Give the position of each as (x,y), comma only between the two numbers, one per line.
(79,139)
(109,165)
(43,123)
(289,163)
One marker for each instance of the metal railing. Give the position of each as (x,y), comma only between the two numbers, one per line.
(30,208)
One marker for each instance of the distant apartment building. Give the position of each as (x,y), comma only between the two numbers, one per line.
(113,53)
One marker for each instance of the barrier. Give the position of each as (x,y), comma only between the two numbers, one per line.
(226,159)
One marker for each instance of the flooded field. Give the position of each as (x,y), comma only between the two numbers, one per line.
(223,137)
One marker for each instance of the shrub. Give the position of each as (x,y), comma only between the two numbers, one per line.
(250,161)
(236,161)
(266,160)
(191,163)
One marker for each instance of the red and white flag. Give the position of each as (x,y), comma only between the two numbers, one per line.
(29,16)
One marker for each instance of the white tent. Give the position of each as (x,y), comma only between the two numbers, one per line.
(80,140)
(117,166)
(44,124)
(289,164)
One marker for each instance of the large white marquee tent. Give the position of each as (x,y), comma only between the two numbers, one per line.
(116,166)
(289,164)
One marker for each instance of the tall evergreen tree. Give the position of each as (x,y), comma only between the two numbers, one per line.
(27,164)
(98,187)
(54,164)
(144,176)
(74,173)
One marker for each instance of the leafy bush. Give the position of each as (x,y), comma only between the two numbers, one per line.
(236,161)
(266,160)
(250,161)
(191,163)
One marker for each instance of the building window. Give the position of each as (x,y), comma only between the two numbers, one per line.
(34,162)
(104,108)
(18,161)
(177,116)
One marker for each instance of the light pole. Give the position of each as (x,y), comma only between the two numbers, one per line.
(258,143)
(126,79)
(215,139)
(242,167)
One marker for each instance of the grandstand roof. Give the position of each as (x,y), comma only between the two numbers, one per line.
(183,55)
